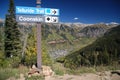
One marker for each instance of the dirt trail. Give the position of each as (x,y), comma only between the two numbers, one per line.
(87,76)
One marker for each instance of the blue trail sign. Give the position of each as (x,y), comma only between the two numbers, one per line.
(33,14)
(34,10)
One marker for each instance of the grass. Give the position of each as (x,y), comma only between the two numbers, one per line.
(6,73)
(35,78)
(101,68)
(83,42)
(14,74)
(81,70)
(107,68)
(58,68)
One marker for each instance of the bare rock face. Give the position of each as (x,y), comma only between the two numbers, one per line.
(96,30)
(47,71)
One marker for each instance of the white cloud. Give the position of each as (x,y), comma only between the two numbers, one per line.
(114,23)
(1,20)
(76,18)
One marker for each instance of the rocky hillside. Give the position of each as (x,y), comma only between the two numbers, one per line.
(73,31)
(95,30)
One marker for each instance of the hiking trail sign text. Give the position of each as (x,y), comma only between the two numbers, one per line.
(34,10)
(33,14)
(29,18)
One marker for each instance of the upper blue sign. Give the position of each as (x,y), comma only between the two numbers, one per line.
(29,10)
(34,10)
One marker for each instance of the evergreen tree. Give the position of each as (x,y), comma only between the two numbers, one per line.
(12,41)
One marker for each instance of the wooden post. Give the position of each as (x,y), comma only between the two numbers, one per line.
(39,56)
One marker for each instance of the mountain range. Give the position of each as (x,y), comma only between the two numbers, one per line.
(65,37)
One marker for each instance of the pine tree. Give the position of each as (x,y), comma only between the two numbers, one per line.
(12,41)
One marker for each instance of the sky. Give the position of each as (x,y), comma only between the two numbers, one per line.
(83,11)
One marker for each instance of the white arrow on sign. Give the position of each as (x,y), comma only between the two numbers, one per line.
(49,11)
(55,19)
(54,12)
(50,19)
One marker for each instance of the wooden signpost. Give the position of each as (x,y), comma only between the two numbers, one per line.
(38,15)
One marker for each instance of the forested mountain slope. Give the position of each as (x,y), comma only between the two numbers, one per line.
(104,51)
